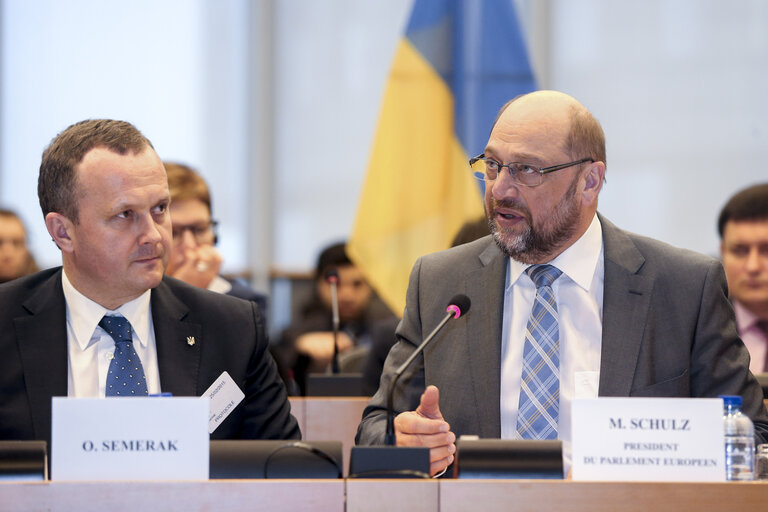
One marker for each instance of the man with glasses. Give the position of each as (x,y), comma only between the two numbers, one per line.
(108,322)
(194,259)
(564,304)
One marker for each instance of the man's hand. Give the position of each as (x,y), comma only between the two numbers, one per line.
(196,266)
(318,345)
(426,427)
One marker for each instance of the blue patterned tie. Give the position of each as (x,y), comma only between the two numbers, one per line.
(126,375)
(540,384)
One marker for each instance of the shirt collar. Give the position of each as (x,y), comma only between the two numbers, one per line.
(84,314)
(745,319)
(578,261)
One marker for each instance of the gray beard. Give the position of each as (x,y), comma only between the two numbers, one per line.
(539,245)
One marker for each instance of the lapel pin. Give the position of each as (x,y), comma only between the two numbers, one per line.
(190,340)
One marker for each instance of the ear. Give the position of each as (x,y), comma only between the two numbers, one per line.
(593,182)
(60,228)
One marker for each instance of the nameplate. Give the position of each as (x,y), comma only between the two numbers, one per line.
(147,438)
(648,439)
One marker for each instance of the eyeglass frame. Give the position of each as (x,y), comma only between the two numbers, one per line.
(192,229)
(541,170)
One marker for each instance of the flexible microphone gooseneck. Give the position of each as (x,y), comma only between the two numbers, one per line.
(458,306)
(332,278)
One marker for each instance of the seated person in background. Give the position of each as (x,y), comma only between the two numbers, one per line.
(743,228)
(307,345)
(15,258)
(558,292)
(104,194)
(193,258)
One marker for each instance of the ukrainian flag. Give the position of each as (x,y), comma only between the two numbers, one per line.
(459,62)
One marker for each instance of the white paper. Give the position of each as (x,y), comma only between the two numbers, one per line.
(648,439)
(224,396)
(132,438)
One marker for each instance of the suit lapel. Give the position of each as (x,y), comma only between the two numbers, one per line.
(626,299)
(485,287)
(42,339)
(179,343)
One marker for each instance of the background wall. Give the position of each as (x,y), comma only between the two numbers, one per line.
(275,102)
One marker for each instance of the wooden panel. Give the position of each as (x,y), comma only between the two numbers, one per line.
(228,495)
(537,495)
(334,419)
(299,412)
(388,495)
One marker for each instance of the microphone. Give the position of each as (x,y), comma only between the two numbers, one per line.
(457,306)
(332,278)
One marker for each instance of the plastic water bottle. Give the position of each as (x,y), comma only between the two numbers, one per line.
(739,441)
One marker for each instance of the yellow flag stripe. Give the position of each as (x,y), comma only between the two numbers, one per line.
(419,189)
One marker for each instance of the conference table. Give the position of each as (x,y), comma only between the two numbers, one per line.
(323,419)
(352,495)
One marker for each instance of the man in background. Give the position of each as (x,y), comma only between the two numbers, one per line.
(71,330)
(194,259)
(306,346)
(15,258)
(743,228)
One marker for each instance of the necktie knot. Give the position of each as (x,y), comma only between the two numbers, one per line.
(118,327)
(543,275)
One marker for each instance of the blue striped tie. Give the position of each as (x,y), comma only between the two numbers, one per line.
(540,384)
(126,375)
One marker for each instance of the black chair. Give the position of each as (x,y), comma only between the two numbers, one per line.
(508,458)
(23,461)
(246,459)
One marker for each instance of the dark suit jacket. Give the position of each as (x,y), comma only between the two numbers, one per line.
(229,335)
(668,331)
(241,290)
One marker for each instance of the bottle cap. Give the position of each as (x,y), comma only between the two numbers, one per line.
(731,400)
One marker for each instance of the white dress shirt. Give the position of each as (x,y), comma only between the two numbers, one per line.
(752,336)
(90,348)
(579,295)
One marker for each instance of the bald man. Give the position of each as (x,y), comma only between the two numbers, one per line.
(564,304)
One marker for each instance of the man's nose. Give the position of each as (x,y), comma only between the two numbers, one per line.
(754,260)
(504,187)
(150,232)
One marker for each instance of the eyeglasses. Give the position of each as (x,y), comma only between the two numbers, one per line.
(202,232)
(524,174)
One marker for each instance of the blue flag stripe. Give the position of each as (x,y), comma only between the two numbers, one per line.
(478,49)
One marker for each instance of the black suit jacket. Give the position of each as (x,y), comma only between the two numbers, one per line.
(229,335)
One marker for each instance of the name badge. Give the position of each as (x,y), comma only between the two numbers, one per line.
(136,438)
(224,396)
(648,439)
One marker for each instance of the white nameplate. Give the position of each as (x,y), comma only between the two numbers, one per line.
(648,439)
(147,438)
(224,395)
